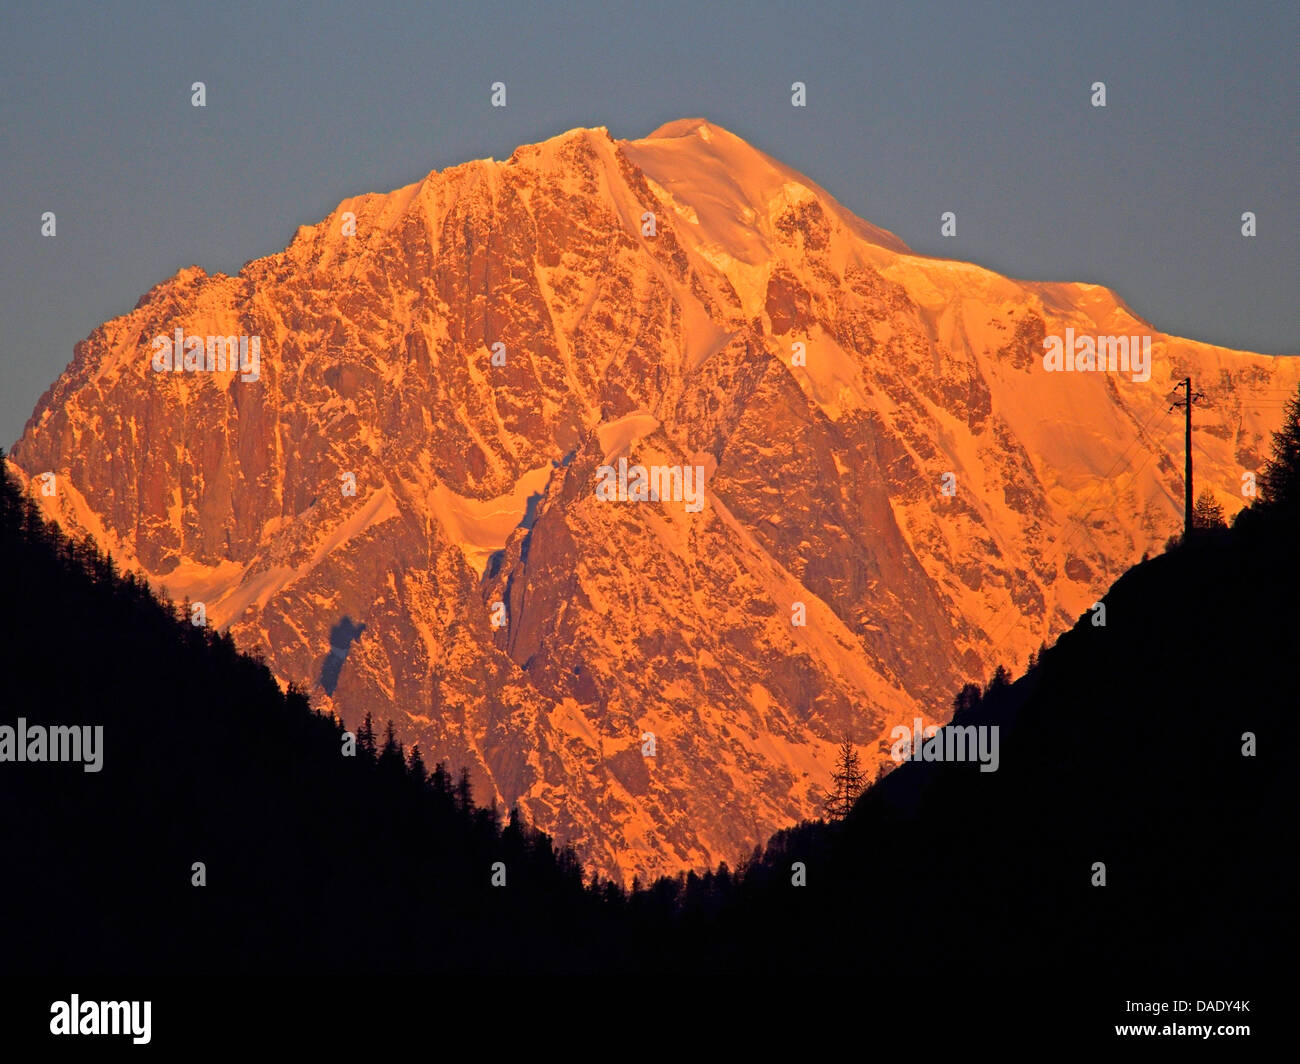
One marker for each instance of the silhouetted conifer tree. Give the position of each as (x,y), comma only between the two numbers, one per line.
(848,783)
(1207,513)
(366,736)
(415,766)
(392,760)
(1279,480)
(966,701)
(1001,678)
(464,793)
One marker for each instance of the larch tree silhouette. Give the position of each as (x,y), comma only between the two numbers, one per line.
(849,782)
(1207,513)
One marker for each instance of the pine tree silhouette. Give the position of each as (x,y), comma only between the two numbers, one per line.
(415,765)
(366,737)
(1279,480)
(1207,513)
(850,782)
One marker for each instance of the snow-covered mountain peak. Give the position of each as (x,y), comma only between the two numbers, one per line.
(894,493)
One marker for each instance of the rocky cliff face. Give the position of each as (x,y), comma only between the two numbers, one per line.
(883,456)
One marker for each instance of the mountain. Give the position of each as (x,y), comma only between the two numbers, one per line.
(474,351)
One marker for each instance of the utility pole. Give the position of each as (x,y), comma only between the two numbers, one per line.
(1186,404)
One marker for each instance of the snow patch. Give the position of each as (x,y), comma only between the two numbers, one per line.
(617,437)
(480,527)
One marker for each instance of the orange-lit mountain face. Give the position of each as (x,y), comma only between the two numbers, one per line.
(430,495)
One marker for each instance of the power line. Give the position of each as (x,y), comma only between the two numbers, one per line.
(1187,403)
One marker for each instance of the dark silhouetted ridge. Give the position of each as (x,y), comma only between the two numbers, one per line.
(314,861)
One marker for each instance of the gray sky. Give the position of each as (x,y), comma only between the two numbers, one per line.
(913,109)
